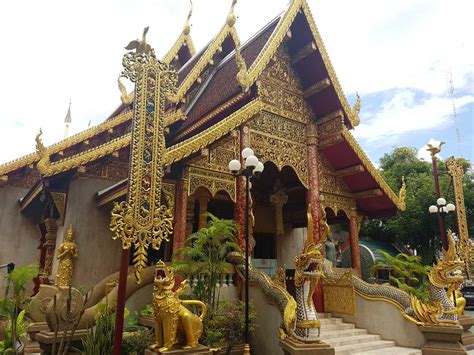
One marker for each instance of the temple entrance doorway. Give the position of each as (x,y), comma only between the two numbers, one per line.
(279,207)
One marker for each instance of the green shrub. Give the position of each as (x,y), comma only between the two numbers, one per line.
(99,340)
(135,343)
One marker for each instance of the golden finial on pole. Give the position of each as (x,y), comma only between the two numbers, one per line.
(187,25)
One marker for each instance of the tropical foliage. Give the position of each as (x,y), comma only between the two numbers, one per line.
(203,258)
(12,304)
(416,227)
(99,340)
(405,272)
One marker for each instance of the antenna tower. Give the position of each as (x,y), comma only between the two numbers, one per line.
(449,82)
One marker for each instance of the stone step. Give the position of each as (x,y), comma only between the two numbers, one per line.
(324,315)
(342,333)
(336,326)
(354,339)
(396,350)
(364,347)
(326,321)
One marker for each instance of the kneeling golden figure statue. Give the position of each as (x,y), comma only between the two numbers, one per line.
(174,323)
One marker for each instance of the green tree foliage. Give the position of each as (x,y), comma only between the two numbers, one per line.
(406,272)
(14,301)
(99,339)
(203,257)
(416,227)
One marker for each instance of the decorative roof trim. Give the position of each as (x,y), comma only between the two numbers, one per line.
(172,154)
(204,61)
(80,137)
(372,170)
(87,156)
(66,143)
(197,142)
(183,40)
(277,37)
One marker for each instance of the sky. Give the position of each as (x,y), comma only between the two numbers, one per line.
(398,55)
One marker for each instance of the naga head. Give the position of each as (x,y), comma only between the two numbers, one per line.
(164,279)
(450,270)
(309,263)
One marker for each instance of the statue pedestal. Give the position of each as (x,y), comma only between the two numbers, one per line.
(33,347)
(293,347)
(442,340)
(46,339)
(200,350)
(467,338)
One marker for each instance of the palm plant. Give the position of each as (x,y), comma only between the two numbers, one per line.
(406,273)
(15,299)
(204,255)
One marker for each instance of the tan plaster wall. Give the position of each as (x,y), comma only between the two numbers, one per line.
(289,245)
(383,318)
(19,237)
(99,255)
(264,340)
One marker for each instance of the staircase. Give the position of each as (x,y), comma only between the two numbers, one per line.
(347,339)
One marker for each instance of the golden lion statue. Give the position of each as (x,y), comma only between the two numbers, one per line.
(174,323)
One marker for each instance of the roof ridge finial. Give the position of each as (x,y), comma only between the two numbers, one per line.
(231,16)
(67,119)
(187,25)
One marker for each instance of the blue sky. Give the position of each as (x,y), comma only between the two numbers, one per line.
(394,53)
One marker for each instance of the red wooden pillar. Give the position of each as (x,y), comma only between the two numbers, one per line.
(313,196)
(240,191)
(179,230)
(354,241)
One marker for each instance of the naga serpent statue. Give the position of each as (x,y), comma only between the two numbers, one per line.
(446,273)
(300,320)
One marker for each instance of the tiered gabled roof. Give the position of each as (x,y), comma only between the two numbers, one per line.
(217,93)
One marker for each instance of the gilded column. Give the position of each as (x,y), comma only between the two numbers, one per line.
(240,190)
(49,245)
(179,233)
(457,173)
(313,176)
(313,196)
(354,240)
(203,199)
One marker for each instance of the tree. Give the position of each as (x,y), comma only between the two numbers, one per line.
(415,227)
(204,255)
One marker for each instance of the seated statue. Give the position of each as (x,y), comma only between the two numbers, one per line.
(174,323)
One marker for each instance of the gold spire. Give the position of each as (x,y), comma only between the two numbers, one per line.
(403,194)
(187,26)
(231,16)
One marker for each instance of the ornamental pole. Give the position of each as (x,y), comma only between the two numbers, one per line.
(141,220)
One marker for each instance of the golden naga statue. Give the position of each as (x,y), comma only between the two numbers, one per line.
(446,273)
(174,323)
(67,252)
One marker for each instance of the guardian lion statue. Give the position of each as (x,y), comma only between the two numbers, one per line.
(174,323)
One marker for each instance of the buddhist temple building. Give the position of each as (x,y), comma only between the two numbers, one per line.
(277,93)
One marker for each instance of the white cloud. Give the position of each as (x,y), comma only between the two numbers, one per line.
(56,50)
(405,114)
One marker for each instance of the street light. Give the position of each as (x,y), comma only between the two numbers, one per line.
(253,167)
(442,209)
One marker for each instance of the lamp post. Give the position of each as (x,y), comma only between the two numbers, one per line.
(442,209)
(253,167)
